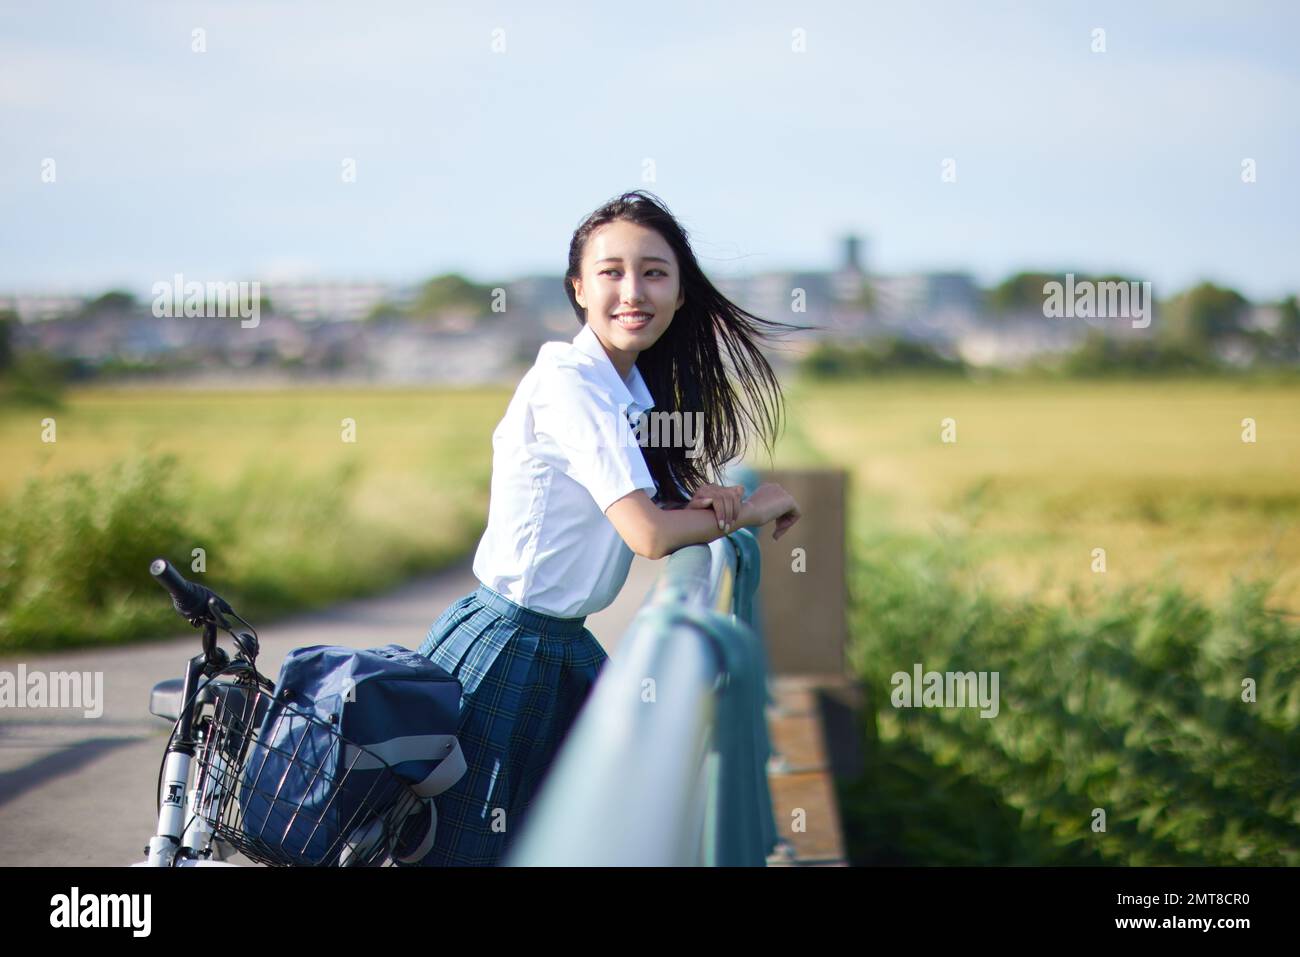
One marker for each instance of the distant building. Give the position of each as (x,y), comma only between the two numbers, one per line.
(848,282)
(1016,341)
(926,293)
(331,301)
(537,311)
(1263,317)
(36,307)
(313,328)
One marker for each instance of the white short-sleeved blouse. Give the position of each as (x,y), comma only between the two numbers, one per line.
(563,453)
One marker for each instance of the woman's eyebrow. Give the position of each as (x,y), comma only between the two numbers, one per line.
(618,259)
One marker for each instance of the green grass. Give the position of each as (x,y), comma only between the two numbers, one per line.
(1135,708)
(1119,690)
(1044,471)
(287,513)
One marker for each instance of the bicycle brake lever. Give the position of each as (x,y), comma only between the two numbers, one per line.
(213,653)
(246,642)
(214,610)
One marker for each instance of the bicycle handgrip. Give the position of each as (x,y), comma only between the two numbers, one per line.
(189,599)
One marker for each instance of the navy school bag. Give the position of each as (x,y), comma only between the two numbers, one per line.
(314,799)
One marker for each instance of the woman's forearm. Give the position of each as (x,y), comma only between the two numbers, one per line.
(678,527)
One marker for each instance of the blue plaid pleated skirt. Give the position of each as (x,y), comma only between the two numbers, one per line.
(524,677)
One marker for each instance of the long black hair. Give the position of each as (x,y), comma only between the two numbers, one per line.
(684,369)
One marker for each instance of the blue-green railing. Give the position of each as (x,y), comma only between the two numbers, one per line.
(667,762)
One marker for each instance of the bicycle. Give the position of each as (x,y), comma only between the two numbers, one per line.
(218,710)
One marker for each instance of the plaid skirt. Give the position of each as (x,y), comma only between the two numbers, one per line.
(524,678)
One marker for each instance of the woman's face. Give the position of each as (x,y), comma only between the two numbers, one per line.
(628,268)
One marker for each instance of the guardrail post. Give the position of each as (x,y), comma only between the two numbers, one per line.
(803,593)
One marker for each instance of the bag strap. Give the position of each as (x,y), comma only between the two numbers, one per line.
(426,845)
(417,747)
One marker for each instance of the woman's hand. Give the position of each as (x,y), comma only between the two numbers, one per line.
(786,519)
(724,500)
(770,502)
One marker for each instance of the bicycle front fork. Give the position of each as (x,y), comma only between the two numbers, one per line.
(165,843)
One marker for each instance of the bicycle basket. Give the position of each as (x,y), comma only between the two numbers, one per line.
(342,761)
(294,792)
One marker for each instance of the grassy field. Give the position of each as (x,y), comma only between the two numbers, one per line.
(1042,473)
(1149,714)
(289,513)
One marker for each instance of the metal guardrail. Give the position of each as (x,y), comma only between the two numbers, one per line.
(667,762)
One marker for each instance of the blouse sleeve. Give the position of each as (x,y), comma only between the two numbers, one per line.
(596,445)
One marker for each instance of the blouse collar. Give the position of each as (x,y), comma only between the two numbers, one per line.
(634,394)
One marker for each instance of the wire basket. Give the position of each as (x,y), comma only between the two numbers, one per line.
(296,792)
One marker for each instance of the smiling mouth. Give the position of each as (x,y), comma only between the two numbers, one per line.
(633,321)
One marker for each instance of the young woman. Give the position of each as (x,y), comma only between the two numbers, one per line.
(573,495)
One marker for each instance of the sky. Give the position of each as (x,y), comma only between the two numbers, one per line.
(482,133)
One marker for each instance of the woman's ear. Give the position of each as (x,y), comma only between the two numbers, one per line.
(577,292)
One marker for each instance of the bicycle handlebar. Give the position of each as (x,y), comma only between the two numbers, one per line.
(189,600)
(202,606)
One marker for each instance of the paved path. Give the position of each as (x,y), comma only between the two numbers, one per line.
(81,791)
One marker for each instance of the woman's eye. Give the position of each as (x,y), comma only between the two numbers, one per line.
(659,271)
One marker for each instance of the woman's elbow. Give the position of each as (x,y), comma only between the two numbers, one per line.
(646,540)
(635,522)
(649,547)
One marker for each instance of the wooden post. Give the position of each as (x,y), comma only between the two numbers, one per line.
(804,612)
